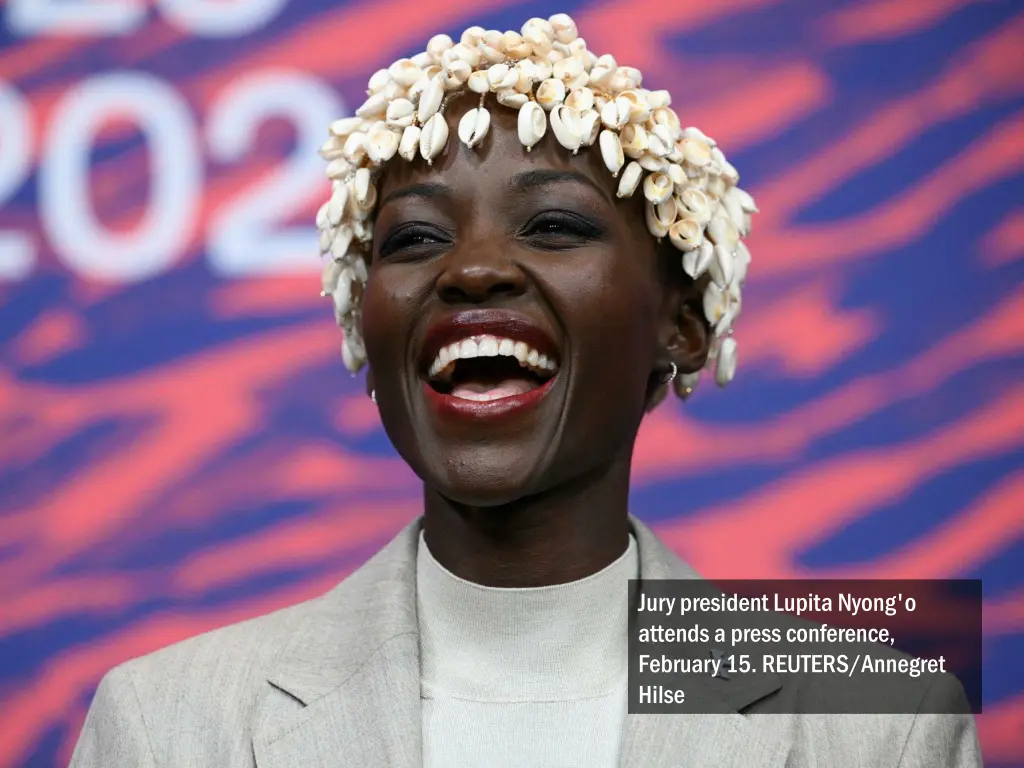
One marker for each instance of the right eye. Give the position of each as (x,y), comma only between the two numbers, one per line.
(411,237)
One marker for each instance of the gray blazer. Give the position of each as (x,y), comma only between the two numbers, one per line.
(335,683)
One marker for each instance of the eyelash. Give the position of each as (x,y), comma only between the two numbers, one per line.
(411,237)
(571,229)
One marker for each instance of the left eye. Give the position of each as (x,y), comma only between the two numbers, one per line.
(562,226)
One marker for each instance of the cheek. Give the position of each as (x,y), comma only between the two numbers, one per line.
(611,309)
(387,311)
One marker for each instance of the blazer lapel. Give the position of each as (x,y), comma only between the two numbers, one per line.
(346,689)
(726,739)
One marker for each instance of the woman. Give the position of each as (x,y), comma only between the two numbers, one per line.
(526,250)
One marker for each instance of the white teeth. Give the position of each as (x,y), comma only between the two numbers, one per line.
(468,349)
(490,346)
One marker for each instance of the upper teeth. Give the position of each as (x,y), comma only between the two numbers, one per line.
(491,346)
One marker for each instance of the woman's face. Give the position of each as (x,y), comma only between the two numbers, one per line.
(496,244)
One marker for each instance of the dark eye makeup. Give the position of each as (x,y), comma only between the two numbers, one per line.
(551,230)
(413,238)
(558,230)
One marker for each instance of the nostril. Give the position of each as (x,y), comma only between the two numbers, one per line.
(460,293)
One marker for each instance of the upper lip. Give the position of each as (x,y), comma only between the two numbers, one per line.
(484,322)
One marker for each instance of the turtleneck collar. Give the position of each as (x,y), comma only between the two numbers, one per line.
(554,643)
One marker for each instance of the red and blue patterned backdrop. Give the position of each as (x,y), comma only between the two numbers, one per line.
(180,446)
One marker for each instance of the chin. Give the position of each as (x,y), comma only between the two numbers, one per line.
(484,476)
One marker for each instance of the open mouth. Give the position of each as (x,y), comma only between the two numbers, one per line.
(485,368)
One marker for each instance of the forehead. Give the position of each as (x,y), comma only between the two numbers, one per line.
(501,158)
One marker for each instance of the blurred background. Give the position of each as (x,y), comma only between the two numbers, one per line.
(181,447)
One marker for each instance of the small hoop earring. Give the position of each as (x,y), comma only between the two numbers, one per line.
(373,396)
(672,375)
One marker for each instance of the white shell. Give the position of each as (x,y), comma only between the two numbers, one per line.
(455,74)
(438,45)
(355,146)
(433,137)
(696,204)
(342,295)
(629,180)
(346,125)
(477,82)
(338,168)
(564,27)
(321,216)
(515,45)
(410,142)
(373,106)
(473,126)
(722,267)
(590,121)
(430,100)
(361,185)
(611,151)
(686,234)
(666,212)
(658,188)
(550,93)
(341,242)
(567,127)
(653,163)
(634,140)
(405,72)
(580,99)
(533,123)
(695,152)
(501,77)
(329,277)
(378,81)
(351,360)
(654,226)
(725,364)
(511,98)
(381,144)
(336,205)
(696,261)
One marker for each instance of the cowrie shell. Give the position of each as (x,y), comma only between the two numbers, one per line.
(686,234)
(433,137)
(658,188)
(550,93)
(410,142)
(611,151)
(567,127)
(430,100)
(725,364)
(473,126)
(532,124)
(629,180)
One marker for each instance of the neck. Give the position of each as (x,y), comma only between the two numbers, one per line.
(554,537)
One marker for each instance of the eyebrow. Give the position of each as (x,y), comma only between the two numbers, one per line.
(545,177)
(428,191)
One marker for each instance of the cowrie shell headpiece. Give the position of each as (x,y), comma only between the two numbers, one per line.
(589,103)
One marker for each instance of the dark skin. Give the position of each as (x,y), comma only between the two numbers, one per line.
(543,498)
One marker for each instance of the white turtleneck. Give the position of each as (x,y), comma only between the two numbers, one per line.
(523,677)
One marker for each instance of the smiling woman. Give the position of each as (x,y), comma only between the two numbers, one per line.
(521,297)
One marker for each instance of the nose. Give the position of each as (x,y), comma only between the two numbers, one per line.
(477,274)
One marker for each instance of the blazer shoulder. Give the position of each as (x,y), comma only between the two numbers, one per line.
(246,649)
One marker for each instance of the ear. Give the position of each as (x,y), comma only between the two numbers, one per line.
(684,336)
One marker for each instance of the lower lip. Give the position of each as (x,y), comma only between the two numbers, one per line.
(485,409)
